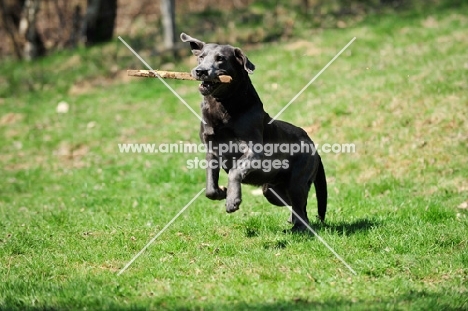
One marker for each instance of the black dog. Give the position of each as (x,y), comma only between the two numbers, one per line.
(234,117)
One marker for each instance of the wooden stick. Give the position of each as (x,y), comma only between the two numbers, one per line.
(171,75)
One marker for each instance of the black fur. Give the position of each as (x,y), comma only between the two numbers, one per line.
(234,114)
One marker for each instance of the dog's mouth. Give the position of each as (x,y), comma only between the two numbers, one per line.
(207,87)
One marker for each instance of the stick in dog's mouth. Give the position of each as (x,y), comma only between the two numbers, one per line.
(173,75)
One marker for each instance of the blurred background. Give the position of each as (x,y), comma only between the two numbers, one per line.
(33,28)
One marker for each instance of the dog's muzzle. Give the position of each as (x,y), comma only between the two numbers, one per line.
(209,81)
(208,87)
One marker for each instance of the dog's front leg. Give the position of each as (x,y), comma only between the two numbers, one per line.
(213,191)
(241,168)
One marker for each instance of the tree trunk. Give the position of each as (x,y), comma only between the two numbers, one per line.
(33,46)
(77,20)
(168,21)
(10,17)
(99,22)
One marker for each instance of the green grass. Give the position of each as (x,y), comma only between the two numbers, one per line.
(74,211)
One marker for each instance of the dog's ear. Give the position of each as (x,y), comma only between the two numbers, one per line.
(195,44)
(244,61)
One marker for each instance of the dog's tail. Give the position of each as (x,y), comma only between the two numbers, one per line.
(321,193)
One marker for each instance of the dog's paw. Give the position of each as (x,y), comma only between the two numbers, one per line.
(297,229)
(232,205)
(216,194)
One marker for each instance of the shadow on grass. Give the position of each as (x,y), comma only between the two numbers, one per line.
(353,227)
(340,228)
(420,300)
(253,227)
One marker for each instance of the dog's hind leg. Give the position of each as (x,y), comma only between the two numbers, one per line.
(272,198)
(298,195)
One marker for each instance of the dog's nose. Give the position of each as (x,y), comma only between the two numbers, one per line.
(201,72)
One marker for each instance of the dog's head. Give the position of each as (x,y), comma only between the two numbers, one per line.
(215,60)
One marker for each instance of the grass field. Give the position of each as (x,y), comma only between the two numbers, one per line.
(74,210)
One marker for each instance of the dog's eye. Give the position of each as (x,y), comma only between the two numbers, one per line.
(219,58)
